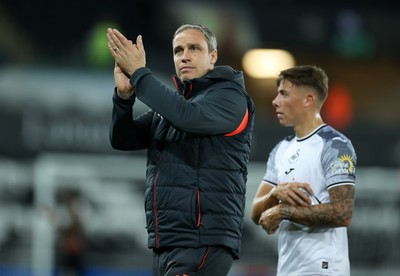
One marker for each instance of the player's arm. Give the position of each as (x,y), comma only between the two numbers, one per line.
(263,200)
(337,213)
(127,133)
(218,112)
(268,195)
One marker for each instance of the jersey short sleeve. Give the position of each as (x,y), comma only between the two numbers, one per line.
(338,159)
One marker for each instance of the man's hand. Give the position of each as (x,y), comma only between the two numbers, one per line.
(128,58)
(293,193)
(124,88)
(270,219)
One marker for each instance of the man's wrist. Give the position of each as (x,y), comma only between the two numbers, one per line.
(274,196)
(125,95)
(133,71)
(285,211)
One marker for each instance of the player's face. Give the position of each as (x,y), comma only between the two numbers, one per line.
(289,104)
(191,56)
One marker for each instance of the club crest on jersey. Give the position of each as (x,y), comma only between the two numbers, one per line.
(294,157)
(345,164)
(325,265)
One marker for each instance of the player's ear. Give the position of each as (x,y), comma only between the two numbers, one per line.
(310,99)
(214,57)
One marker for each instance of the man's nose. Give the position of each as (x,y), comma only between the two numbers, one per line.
(274,102)
(185,55)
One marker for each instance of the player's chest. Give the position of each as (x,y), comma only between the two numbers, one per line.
(298,161)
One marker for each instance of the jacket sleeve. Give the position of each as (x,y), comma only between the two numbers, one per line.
(218,112)
(125,132)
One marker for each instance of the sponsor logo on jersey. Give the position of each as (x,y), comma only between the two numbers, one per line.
(344,165)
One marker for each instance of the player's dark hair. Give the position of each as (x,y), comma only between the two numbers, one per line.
(307,75)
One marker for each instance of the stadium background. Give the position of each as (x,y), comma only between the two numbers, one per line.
(55,106)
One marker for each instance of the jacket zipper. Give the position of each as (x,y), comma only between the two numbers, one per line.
(198,210)
(155,209)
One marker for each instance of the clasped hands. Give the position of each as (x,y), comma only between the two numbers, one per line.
(128,58)
(291,193)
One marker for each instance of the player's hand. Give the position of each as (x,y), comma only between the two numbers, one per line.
(270,219)
(293,193)
(127,55)
(124,88)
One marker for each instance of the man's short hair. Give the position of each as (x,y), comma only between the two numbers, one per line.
(307,75)
(211,39)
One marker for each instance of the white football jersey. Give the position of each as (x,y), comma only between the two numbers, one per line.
(324,159)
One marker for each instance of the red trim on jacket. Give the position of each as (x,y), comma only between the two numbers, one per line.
(242,125)
(203,260)
(199,209)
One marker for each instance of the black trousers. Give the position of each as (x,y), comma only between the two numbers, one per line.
(210,261)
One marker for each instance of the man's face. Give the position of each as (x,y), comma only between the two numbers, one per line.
(289,104)
(191,56)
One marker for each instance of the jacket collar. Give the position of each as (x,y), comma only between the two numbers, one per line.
(219,73)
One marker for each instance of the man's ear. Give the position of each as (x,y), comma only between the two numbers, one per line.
(310,99)
(214,57)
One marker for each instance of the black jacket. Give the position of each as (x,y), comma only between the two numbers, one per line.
(198,144)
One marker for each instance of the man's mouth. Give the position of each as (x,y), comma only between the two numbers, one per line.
(186,68)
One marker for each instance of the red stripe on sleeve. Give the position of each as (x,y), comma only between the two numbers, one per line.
(242,125)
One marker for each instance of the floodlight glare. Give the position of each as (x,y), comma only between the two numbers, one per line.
(266,63)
